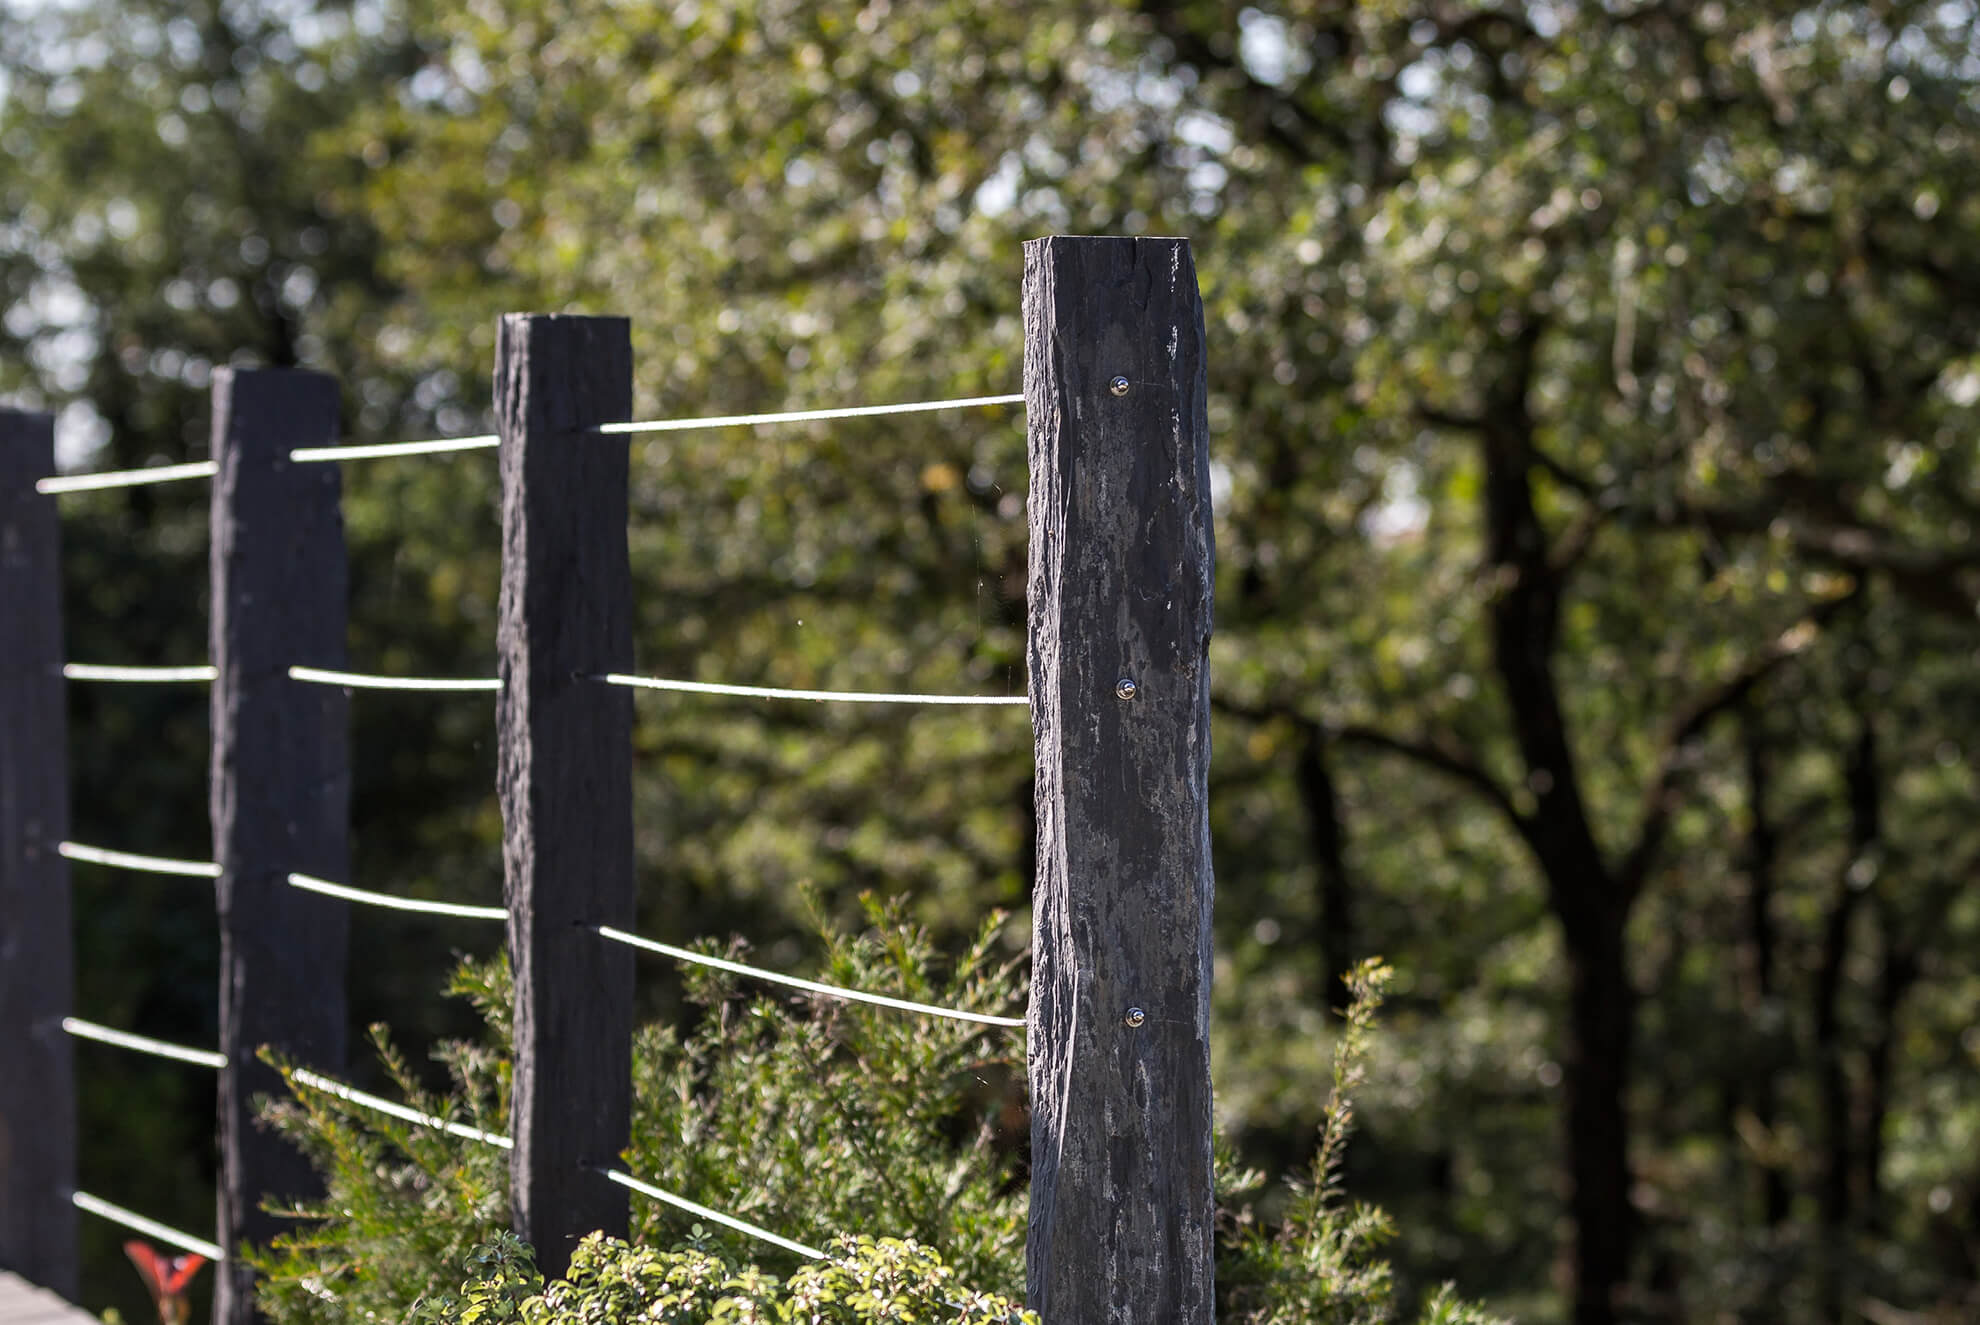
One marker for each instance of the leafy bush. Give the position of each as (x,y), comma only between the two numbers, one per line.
(1320,1265)
(861,1280)
(811,1117)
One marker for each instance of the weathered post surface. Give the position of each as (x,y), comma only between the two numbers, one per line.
(37,973)
(566,769)
(280,789)
(1120,613)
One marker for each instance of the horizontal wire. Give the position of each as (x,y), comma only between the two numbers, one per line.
(805,415)
(404,1113)
(366,897)
(364,681)
(138,675)
(777,977)
(438,445)
(144,1044)
(126,478)
(694,1207)
(485,441)
(131,1219)
(822,696)
(130,860)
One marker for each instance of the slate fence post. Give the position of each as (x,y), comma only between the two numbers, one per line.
(38,1235)
(280,781)
(565,770)
(1121,562)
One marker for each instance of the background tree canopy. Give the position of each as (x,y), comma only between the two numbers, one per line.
(1592,401)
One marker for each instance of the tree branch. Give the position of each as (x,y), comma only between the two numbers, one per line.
(1442,753)
(1689,725)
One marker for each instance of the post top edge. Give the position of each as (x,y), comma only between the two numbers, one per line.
(1107,239)
(567,317)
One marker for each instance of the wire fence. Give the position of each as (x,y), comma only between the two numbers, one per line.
(207,673)
(1123,822)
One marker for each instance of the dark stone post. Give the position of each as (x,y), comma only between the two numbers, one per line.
(1120,608)
(37,959)
(280,794)
(566,769)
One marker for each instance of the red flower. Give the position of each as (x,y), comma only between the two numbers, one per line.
(168,1278)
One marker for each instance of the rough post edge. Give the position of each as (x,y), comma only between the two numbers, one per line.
(38,1233)
(280,782)
(565,769)
(1121,557)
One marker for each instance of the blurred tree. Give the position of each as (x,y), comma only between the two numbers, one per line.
(1596,498)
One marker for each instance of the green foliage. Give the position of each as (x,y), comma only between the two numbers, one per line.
(810,1117)
(1321,1265)
(852,1117)
(797,1117)
(861,1280)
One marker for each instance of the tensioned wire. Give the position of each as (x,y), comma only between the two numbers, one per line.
(819,696)
(126,478)
(130,478)
(365,897)
(695,1208)
(795,982)
(462,910)
(404,1113)
(440,684)
(144,1044)
(367,681)
(805,415)
(130,860)
(486,441)
(131,1219)
(436,446)
(138,675)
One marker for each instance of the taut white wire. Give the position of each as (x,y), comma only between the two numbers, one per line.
(317,454)
(805,415)
(131,1219)
(126,478)
(352,1095)
(695,1208)
(405,1113)
(812,986)
(822,696)
(128,860)
(144,1044)
(362,681)
(138,675)
(367,898)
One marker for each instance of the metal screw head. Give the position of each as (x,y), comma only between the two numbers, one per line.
(1119,386)
(1126,688)
(1135,1016)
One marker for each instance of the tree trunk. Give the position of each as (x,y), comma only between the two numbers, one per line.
(1334,921)
(1601,1026)
(1833,1203)
(1900,967)
(1757,959)
(1585,893)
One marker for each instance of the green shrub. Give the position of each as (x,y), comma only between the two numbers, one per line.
(811,1117)
(862,1280)
(1320,1266)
